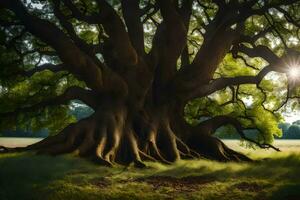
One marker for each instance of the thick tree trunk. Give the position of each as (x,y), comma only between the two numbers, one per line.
(117,134)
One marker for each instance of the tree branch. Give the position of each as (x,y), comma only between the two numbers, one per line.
(70,29)
(77,62)
(186,12)
(118,37)
(131,13)
(71,93)
(211,53)
(214,123)
(259,51)
(168,43)
(223,82)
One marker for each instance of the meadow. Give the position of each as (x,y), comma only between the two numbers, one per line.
(275,175)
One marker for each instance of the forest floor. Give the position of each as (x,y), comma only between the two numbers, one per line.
(24,176)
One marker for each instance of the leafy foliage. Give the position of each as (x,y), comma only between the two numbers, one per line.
(249,104)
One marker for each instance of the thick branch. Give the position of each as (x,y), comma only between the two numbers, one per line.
(71,93)
(211,53)
(186,12)
(259,51)
(223,82)
(214,123)
(77,61)
(131,13)
(118,36)
(70,29)
(276,64)
(168,43)
(175,30)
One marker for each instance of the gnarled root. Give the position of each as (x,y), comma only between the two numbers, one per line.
(150,148)
(213,148)
(110,137)
(167,142)
(104,137)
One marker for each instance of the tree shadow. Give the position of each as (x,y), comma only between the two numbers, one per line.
(22,175)
(25,176)
(279,175)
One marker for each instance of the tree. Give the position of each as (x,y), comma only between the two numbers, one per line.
(144,67)
(296,122)
(284,126)
(293,132)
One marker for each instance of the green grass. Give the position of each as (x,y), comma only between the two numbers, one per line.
(26,176)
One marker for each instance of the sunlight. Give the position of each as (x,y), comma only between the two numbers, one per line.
(294,71)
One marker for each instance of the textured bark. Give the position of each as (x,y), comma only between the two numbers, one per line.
(116,134)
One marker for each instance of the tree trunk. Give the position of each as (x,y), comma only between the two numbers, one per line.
(118,133)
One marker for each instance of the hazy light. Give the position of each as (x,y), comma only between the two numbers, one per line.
(294,72)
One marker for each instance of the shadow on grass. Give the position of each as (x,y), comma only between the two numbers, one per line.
(25,176)
(279,176)
(22,176)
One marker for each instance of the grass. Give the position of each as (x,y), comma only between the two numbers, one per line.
(26,176)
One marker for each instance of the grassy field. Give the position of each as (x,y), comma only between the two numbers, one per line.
(26,176)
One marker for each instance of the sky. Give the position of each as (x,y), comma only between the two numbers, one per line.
(291,117)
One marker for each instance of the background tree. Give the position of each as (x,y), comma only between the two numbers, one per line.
(161,76)
(293,131)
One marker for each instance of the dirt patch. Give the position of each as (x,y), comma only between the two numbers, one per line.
(189,183)
(101,182)
(251,187)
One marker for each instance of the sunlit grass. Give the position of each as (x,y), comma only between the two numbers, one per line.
(27,176)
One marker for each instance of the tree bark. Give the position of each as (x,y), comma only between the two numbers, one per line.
(116,134)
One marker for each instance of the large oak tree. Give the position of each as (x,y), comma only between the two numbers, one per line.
(144,67)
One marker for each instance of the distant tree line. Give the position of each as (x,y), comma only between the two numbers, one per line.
(289,131)
(77,109)
(24,133)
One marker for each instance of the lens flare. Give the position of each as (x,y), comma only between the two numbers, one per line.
(294,72)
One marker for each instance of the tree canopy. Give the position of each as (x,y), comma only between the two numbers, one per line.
(215,62)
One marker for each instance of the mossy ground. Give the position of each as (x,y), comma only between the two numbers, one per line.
(26,176)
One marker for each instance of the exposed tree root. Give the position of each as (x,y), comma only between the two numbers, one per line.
(109,138)
(213,148)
